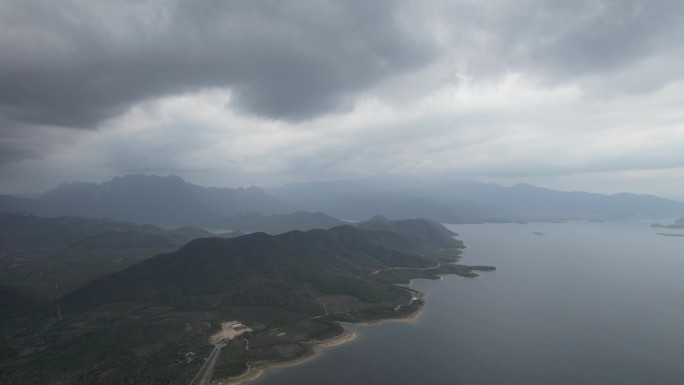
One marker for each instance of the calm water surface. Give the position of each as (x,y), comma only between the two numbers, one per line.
(588,303)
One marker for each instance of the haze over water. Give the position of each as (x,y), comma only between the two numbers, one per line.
(588,303)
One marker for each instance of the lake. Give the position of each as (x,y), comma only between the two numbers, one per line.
(584,303)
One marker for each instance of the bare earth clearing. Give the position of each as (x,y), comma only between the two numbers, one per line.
(229,330)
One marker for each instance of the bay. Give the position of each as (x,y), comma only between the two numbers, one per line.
(580,303)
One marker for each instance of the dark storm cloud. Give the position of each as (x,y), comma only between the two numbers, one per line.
(562,40)
(76,63)
(18,142)
(10,151)
(489,88)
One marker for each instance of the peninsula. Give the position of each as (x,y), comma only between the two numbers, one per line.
(153,322)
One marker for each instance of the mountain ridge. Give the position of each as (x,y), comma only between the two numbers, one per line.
(138,198)
(169,200)
(209,265)
(451,200)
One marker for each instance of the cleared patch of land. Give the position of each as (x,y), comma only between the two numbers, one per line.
(229,330)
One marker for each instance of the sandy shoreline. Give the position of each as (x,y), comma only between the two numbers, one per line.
(347,335)
(255,372)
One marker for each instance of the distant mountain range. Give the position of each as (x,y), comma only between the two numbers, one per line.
(170,201)
(152,199)
(458,201)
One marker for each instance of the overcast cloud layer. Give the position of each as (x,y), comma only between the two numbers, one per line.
(582,95)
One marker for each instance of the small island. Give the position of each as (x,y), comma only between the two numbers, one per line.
(678,224)
(166,319)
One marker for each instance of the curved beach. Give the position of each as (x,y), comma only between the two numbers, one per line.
(255,371)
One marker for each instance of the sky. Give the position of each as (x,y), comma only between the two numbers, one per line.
(576,95)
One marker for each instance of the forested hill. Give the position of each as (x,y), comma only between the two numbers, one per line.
(141,325)
(16,303)
(258,268)
(35,233)
(421,232)
(51,256)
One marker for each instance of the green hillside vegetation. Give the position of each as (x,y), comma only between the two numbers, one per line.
(150,323)
(423,232)
(52,256)
(252,267)
(16,303)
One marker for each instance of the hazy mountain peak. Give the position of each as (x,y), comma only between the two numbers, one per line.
(141,198)
(454,200)
(379,218)
(145,180)
(140,176)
